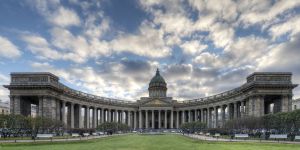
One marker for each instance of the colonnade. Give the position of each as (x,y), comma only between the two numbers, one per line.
(84,116)
(76,115)
(91,117)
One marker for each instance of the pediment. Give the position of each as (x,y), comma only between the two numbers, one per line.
(156,102)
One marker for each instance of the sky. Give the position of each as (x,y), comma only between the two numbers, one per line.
(111,48)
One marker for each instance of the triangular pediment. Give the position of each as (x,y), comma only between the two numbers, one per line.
(156,102)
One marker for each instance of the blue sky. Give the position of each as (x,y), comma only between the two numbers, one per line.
(112,48)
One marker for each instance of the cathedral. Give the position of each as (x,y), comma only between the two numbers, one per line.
(262,93)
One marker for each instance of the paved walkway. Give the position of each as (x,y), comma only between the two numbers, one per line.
(58,140)
(210,138)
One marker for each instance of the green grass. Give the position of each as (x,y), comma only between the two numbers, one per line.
(148,142)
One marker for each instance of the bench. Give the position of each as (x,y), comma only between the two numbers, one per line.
(94,134)
(278,136)
(86,134)
(45,136)
(75,135)
(207,134)
(297,137)
(241,136)
(217,135)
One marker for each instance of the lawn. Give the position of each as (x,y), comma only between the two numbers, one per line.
(148,142)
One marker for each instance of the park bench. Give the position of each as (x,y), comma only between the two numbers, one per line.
(278,136)
(94,134)
(297,137)
(86,134)
(47,136)
(243,136)
(217,135)
(75,135)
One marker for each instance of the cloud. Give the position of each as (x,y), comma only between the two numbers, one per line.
(64,17)
(148,42)
(209,60)
(127,79)
(4,80)
(246,51)
(8,49)
(283,57)
(40,47)
(55,13)
(253,12)
(219,46)
(291,27)
(193,47)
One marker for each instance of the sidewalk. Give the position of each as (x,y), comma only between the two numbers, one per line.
(209,138)
(58,140)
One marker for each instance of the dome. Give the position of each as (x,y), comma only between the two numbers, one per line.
(157,86)
(157,79)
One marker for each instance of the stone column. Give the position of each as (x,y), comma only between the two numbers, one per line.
(152,119)
(223,115)
(115,115)
(183,117)
(235,110)
(209,118)
(122,116)
(40,109)
(80,117)
(177,119)
(146,121)
(140,119)
(195,115)
(134,121)
(102,115)
(216,117)
(12,105)
(108,115)
(172,121)
(87,117)
(286,103)
(202,114)
(95,117)
(72,115)
(242,109)
(57,110)
(159,119)
(63,114)
(251,106)
(166,120)
(259,106)
(190,116)
(17,105)
(212,115)
(128,118)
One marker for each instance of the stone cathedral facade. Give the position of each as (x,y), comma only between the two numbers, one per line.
(263,93)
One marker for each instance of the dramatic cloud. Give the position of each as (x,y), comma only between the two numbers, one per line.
(193,47)
(8,49)
(149,42)
(64,17)
(201,47)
